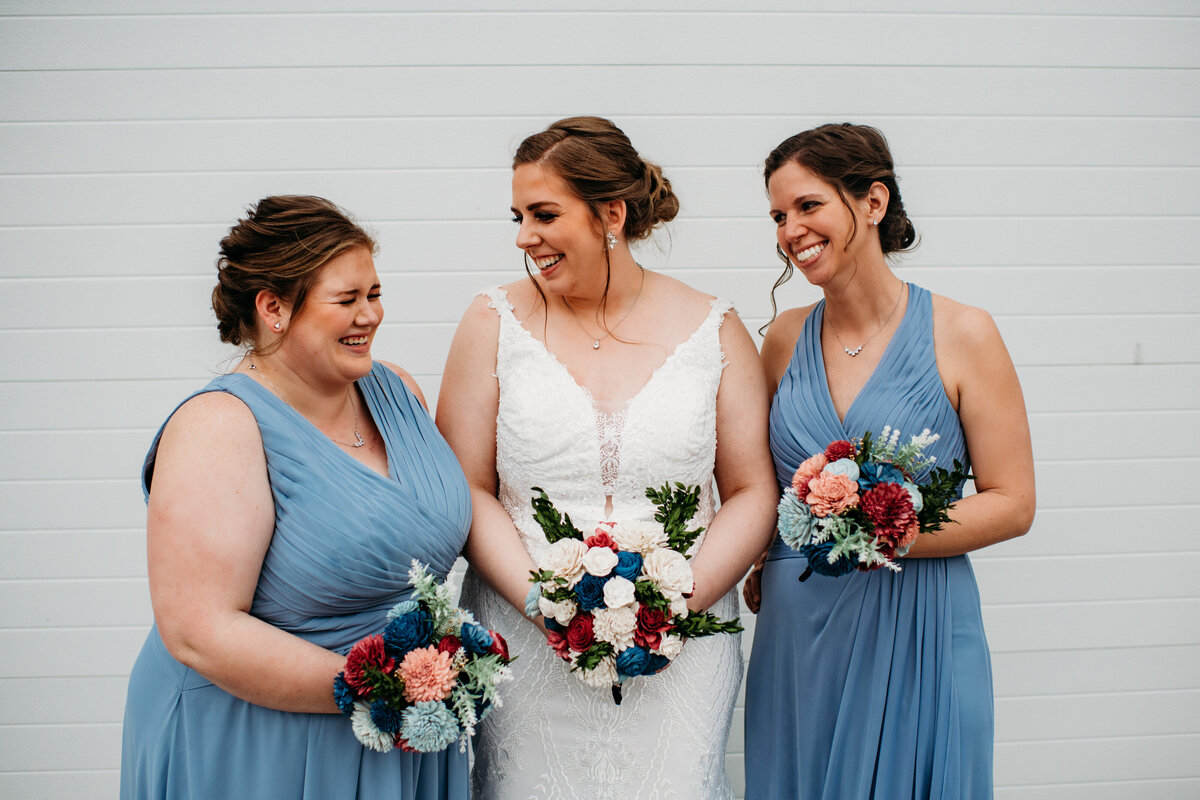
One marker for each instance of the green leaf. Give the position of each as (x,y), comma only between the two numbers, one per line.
(676,507)
(555,525)
(592,656)
(705,623)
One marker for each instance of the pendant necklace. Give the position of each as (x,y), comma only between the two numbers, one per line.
(358,439)
(625,316)
(857,350)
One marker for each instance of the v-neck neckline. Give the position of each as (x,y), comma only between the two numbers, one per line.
(888,353)
(392,476)
(625,405)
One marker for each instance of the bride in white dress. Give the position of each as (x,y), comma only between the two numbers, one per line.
(594,380)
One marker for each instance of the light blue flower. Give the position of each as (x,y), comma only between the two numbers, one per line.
(914,492)
(429,726)
(796,522)
(402,608)
(843,466)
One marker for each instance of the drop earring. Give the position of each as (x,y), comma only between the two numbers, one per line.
(611,239)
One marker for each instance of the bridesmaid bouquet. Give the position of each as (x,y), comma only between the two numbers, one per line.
(428,679)
(615,602)
(856,506)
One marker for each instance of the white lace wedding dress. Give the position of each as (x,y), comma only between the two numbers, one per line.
(555,737)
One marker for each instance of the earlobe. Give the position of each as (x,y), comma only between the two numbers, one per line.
(271,310)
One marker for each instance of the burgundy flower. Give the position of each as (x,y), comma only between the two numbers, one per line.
(449,644)
(889,507)
(499,646)
(653,620)
(366,652)
(840,449)
(650,641)
(559,642)
(579,633)
(601,539)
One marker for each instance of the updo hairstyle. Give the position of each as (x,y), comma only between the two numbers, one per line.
(279,247)
(598,162)
(850,158)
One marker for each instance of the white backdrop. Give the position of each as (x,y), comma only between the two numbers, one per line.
(1048,154)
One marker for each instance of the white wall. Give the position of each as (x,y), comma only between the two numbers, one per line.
(1049,160)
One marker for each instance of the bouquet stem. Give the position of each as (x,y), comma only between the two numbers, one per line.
(808,571)
(616,690)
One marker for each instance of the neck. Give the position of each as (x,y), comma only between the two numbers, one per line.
(317,402)
(865,298)
(625,278)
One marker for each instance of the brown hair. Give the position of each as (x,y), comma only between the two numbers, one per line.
(279,247)
(596,159)
(850,158)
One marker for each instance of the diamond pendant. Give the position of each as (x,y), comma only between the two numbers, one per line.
(358,440)
(596,345)
(855,351)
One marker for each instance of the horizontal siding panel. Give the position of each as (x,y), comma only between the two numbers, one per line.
(688,243)
(1093,530)
(1079,484)
(73,554)
(481,39)
(1095,716)
(1142,623)
(54,455)
(36,505)
(1166,434)
(29,701)
(40,605)
(439,142)
(839,91)
(1113,669)
(1159,789)
(1109,387)
(1146,758)
(484,194)
(60,747)
(1073,579)
(57,784)
(113,403)
(110,652)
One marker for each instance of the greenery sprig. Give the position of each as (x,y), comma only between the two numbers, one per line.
(556,526)
(676,507)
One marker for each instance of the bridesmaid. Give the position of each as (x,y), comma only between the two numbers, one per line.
(877,684)
(286,501)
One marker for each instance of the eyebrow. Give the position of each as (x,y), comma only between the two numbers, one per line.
(535,206)
(355,291)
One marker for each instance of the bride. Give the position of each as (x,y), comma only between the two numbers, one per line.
(594,380)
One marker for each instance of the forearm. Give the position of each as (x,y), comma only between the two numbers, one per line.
(256,661)
(739,533)
(977,521)
(495,551)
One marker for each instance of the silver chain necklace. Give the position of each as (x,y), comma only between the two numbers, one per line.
(358,439)
(625,316)
(857,350)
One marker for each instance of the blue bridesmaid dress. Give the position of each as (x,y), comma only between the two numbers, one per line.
(338,561)
(875,684)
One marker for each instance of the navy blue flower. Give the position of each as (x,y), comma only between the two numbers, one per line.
(408,632)
(386,718)
(589,592)
(655,663)
(873,472)
(629,566)
(632,661)
(475,638)
(343,695)
(818,559)
(552,625)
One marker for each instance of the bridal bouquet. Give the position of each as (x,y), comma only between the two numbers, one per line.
(856,506)
(428,679)
(615,602)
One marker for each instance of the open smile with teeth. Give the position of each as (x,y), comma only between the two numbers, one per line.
(546,262)
(353,340)
(809,253)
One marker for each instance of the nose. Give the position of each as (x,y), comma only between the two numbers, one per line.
(794,228)
(369,314)
(526,238)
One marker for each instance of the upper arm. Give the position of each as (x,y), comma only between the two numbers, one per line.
(409,381)
(743,455)
(979,375)
(469,398)
(210,516)
(780,342)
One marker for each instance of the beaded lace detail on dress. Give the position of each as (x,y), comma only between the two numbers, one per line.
(555,737)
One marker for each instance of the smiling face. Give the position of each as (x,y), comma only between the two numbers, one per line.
(558,231)
(329,340)
(813,226)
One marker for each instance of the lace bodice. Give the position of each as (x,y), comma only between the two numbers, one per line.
(555,737)
(575,451)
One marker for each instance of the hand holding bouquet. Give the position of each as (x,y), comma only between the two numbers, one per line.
(615,602)
(856,506)
(428,679)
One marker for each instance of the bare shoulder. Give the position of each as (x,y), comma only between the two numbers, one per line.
(216,414)
(679,296)
(408,379)
(962,327)
(211,428)
(780,340)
